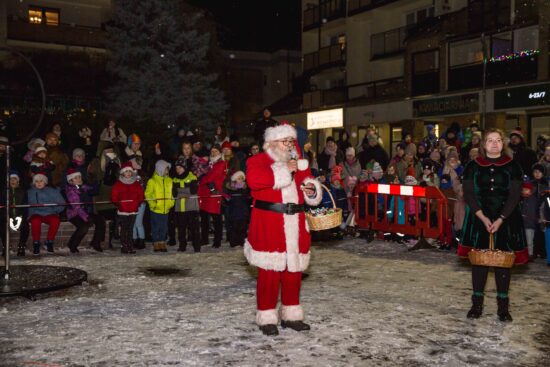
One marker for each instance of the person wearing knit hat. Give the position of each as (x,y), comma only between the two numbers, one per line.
(377,171)
(522,154)
(159,197)
(133,139)
(350,151)
(185,186)
(38,214)
(41,164)
(410,180)
(81,212)
(238,208)
(278,240)
(17,196)
(78,163)
(127,195)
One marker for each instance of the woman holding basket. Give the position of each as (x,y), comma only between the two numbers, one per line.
(492,187)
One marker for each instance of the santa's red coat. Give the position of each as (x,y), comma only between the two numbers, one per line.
(278,241)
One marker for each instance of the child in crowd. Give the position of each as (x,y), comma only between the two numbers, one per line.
(82,216)
(42,194)
(32,145)
(185,186)
(78,163)
(41,164)
(530,212)
(159,197)
(429,178)
(127,194)
(238,209)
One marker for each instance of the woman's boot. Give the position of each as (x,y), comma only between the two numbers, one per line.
(503,312)
(477,307)
(36,248)
(21,249)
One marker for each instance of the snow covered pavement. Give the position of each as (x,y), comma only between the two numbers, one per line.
(368,305)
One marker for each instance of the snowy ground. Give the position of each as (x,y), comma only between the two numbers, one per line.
(369,305)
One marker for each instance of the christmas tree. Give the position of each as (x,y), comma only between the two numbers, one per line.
(158,57)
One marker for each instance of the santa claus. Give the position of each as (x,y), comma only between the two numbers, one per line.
(278,240)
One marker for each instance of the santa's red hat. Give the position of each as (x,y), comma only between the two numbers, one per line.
(226,145)
(517,131)
(282,131)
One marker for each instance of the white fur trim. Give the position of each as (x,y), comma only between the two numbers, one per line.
(267,317)
(283,176)
(316,200)
(276,261)
(236,175)
(292,229)
(303,164)
(292,313)
(73,175)
(279,132)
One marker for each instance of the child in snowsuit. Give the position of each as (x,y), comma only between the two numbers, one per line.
(159,197)
(127,195)
(185,186)
(42,194)
(238,209)
(82,216)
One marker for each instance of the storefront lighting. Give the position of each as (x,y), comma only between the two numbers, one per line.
(515,56)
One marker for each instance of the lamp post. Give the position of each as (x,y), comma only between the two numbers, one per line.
(484,82)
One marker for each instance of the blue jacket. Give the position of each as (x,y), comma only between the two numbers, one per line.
(47,195)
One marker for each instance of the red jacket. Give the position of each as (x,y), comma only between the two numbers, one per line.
(211,202)
(278,241)
(122,191)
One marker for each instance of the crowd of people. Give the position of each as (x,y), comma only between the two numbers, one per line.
(190,186)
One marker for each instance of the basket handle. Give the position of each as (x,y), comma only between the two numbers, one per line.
(491,241)
(329,194)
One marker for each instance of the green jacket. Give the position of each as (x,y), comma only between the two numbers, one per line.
(182,190)
(160,190)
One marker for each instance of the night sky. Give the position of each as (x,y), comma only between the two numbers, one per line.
(260,25)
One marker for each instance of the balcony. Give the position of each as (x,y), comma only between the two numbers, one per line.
(63,34)
(359,6)
(325,58)
(321,98)
(498,73)
(384,89)
(425,83)
(328,10)
(387,44)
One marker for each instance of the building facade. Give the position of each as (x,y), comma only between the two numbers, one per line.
(403,64)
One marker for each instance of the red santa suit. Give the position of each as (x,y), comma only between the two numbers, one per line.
(278,244)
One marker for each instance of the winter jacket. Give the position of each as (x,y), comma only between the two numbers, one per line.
(43,166)
(530,206)
(127,191)
(211,187)
(60,160)
(376,153)
(18,196)
(183,188)
(81,167)
(239,202)
(47,195)
(79,194)
(159,190)
(525,156)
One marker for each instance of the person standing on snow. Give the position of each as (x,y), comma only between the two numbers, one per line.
(278,240)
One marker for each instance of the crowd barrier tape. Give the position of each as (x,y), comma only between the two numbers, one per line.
(389,208)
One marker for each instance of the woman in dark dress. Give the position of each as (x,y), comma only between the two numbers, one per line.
(492,187)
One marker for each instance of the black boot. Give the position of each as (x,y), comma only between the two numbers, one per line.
(21,249)
(295,325)
(139,243)
(96,246)
(182,247)
(477,307)
(503,312)
(36,248)
(269,329)
(49,246)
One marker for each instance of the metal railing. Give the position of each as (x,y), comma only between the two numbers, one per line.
(326,56)
(388,42)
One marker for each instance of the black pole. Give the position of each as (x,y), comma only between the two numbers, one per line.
(7,224)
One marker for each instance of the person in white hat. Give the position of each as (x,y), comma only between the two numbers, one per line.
(278,240)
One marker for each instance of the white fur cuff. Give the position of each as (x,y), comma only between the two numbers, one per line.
(292,313)
(303,164)
(283,176)
(316,200)
(267,317)
(265,260)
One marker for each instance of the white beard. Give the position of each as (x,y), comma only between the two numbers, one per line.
(278,155)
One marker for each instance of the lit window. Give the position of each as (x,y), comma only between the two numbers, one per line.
(35,15)
(52,17)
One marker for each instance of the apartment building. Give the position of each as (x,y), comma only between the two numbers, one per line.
(403,64)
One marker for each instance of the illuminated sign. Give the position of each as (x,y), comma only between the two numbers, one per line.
(466,103)
(530,96)
(325,119)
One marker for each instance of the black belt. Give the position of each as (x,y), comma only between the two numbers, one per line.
(289,208)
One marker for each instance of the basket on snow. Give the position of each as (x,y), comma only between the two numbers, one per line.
(492,257)
(327,221)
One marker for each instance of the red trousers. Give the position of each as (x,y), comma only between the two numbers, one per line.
(268,284)
(53,225)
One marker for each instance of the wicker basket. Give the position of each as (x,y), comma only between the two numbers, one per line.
(492,257)
(327,221)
